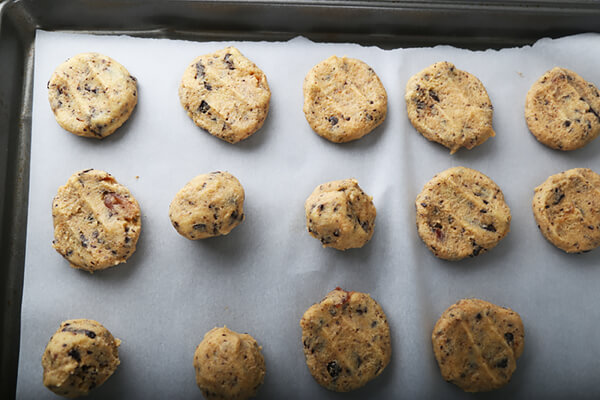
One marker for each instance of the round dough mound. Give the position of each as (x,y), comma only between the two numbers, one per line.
(449,106)
(477,344)
(567,210)
(461,213)
(340,215)
(562,110)
(208,205)
(225,94)
(343,99)
(229,365)
(97,221)
(346,340)
(92,95)
(81,355)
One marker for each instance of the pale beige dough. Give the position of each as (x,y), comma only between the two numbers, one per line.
(81,355)
(97,221)
(340,214)
(477,344)
(208,205)
(346,340)
(567,210)
(449,106)
(461,213)
(343,99)
(225,94)
(229,365)
(92,95)
(562,110)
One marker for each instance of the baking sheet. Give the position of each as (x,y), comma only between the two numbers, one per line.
(268,271)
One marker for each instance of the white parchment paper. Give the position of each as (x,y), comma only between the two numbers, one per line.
(263,276)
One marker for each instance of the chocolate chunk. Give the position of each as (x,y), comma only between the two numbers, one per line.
(73,353)
(567,123)
(502,363)
(333,120)
(334,369)
(204,107)
(199,70)
(227,59)
(508,337)
(433,95)
(489,227)
(478,316)
(557,196)
(200,227)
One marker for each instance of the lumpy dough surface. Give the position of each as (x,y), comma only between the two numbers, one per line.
(97,221)
(229,365)
(346,340)
(92,95)
(477,344)
(461,213)
(340,214)
(81,355)
(209,205)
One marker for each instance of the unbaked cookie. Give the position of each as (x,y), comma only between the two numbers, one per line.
(562,110)
(340,214)
(477,344)
(461,213)
(226,94)
(97,221)
(92,95)
(346,340)
(208,205)
(343,99)
(81,355)
(567,210)
(449,106)
(229,365)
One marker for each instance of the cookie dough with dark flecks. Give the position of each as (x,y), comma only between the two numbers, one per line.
(346,340)
(562,110)
(225,94)
(449,106)
(343,99)
(208,205)
(81,355)
(477,344)
(461,213)
(97,221)
(340,214)
(92,95)
(229,365)
(567,210)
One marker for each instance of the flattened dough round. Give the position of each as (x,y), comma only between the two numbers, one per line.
(229,365)
(81,355)
(346,340)
(562,110)
(340,214)
(343,99)
(567,210)
(225,94)
(92,95)
(97,221)
(208,205)
(477,344)
(461,213)
(449,106)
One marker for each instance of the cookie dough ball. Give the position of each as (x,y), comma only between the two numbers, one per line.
(346,340)
(225,94)
(449,106)
(567,210)
(208,205)
(92,95)
(343,99)
(477,344)
(461,213)
(340,215)
(229,365)
(562,110)
(97,221)
(81,355)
